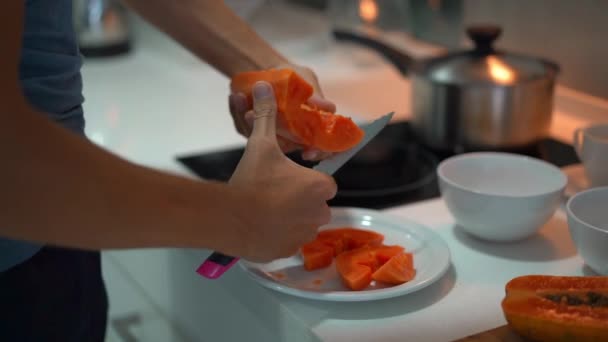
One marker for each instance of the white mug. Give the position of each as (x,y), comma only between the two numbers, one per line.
(588,226)
(591,144)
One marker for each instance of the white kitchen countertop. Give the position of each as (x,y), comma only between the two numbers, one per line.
(465,301)
(160,102)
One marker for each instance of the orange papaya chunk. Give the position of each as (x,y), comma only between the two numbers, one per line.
(356,267)
(557,308)
(347,238)
(316,255)
(314,128)
(319,253)
(289,88)
(385,253)
(397,270)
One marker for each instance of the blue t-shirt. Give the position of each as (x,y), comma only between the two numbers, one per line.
(51,81)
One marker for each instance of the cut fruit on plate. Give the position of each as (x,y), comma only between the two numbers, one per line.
(360,257)
(319,253)
(356,267)
(315,128)
(431,258)
(347,238)
(397,270)
(558,308)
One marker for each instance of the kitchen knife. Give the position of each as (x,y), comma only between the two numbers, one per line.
(331,165)
(217,263)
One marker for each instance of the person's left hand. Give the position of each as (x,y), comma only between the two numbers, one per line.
(243,116)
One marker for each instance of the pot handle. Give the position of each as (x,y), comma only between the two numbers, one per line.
(484,36)
(399,59)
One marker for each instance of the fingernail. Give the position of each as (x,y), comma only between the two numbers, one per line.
(310,155)
(262,90)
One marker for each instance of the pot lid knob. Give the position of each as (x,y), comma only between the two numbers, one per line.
(484,36)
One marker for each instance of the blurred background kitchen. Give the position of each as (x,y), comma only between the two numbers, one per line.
(149,100)
(570,33)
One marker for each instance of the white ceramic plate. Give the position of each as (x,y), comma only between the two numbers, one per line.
(431,260)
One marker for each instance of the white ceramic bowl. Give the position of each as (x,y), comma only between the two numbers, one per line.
(588,224)
(500,196)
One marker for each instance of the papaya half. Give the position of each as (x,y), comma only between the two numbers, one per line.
(558,308)
(313,127)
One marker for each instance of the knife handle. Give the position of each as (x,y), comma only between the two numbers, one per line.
(215,265)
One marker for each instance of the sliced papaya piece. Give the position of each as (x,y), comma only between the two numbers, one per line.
(356,238)
(338,245)
(290,90)
(557,308)
(357,266)
(325,131)
(334,242)
(347,238)
(397,270)
(385,253)
(316,255)
(356,277)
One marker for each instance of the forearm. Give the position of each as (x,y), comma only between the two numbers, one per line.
(59,189)
(211,31)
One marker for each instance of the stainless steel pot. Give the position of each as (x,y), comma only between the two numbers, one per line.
(102,27)
(477,99)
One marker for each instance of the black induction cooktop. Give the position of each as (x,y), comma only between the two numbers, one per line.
(393,169)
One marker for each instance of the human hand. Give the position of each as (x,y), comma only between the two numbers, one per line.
(243,117)
(286,202)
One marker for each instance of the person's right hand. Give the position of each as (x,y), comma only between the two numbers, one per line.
(288,202)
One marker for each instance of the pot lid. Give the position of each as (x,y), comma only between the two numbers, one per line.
(485,65)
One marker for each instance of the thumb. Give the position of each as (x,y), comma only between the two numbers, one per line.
(264,111)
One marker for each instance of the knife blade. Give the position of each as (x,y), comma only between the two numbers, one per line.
(335,162)
(217,263)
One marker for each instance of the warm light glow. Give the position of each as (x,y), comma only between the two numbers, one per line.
(500,72)
(368,10)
